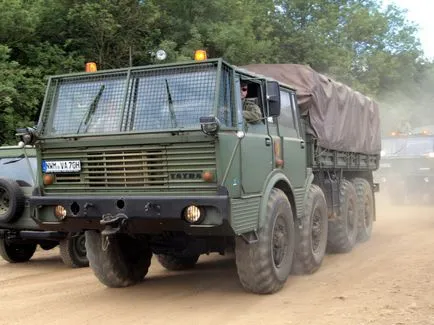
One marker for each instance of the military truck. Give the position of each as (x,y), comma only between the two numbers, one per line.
(406,171)
(19,234)
(158,160)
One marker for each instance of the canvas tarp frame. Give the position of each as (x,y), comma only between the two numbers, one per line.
(340,118)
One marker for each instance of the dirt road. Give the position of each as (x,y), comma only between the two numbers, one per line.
(388,280)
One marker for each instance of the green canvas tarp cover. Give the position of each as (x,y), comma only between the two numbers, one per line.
(340,118)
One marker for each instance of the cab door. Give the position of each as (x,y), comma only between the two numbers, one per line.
(256,152)
(293,151)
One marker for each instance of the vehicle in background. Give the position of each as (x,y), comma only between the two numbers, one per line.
(19,233)
(406,171)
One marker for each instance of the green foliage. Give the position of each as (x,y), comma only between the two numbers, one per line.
(20,92)
(239,31)
(107,31)
(372,49)
(411,101)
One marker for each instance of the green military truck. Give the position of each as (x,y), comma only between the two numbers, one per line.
(19,233)
(158,160)
(406,171)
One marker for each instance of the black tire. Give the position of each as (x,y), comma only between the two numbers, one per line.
(311,236)
(366,208)
(177,263)
(11,200)
(118,260)
(342,233)
(73,251)
(264,266)
(16,252)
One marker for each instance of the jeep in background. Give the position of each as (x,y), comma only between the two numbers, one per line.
(406,171)
(19,233)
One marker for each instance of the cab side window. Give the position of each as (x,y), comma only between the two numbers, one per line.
(286,118)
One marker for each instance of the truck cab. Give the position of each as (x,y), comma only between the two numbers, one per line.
(407,167)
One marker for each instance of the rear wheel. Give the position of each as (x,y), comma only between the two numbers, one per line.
(73,251)
(16,252)
(264,265)
(177,263)
(365,207)
(118,260)
(311,235)
(342,231)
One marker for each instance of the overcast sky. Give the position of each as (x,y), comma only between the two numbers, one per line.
(420,12)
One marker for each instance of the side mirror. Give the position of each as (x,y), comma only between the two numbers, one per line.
(26,135)
(273,98)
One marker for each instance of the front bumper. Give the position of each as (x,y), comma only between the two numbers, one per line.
(31,235)
(142,214)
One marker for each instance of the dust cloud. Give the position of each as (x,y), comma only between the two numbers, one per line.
(412,102)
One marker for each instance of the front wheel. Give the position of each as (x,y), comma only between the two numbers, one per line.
(118,260)
(73,251)
(264,265)
(16,252)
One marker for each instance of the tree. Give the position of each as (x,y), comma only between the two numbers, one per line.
(357,42)
(353,41)
(238,31)
(20,93)
(107,31)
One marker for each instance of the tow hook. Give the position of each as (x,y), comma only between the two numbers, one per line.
(113,224)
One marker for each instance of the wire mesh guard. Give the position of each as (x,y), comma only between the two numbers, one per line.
(143,100)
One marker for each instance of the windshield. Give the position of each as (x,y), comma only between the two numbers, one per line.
(17,168)
(144,100)
(411,146)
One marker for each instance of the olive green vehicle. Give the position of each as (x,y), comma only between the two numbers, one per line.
(406,171)
(158,160)
(19,233)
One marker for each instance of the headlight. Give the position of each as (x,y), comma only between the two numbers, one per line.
(60,212)
(193,214)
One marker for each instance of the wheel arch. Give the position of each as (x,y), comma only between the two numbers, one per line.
(280,181)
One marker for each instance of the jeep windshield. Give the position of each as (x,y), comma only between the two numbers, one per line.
(407,146)
(17,168)
(136,100)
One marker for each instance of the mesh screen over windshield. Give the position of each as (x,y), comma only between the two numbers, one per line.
(136,100)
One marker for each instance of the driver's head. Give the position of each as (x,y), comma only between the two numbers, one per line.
(243,89)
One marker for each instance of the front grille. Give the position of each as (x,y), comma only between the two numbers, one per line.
(171,167)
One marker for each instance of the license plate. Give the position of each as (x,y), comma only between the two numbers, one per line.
(61,166)
(385,165)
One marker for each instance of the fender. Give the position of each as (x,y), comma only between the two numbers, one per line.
(273,178)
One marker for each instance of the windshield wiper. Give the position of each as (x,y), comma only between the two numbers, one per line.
(87,117)
(398,151)
(19,158)
(172,111)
